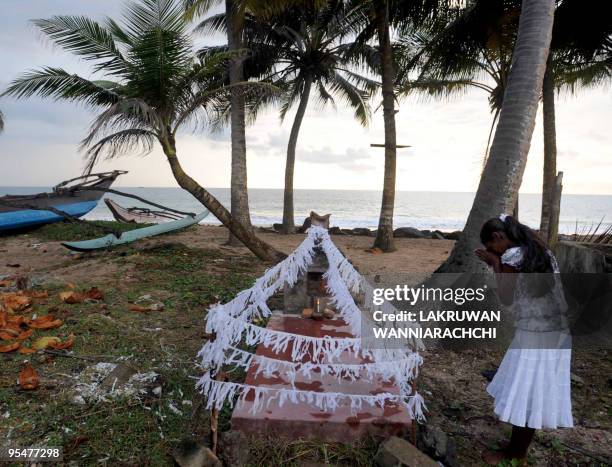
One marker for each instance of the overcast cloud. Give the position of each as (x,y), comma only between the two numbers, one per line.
(40,144)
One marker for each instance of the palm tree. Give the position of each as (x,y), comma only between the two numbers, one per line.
(581,56)
(234,13)
(472,48)
(301,49)
(373,20)
(501,178)
(478,44)
(1,122)
(154,86)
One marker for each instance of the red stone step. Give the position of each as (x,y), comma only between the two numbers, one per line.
(304,421)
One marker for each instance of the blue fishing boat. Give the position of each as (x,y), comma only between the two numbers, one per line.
(75,198)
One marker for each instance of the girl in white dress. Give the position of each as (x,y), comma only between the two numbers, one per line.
(531,388)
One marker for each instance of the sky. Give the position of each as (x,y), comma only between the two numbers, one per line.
(39,146)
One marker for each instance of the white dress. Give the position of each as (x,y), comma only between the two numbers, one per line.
(532,385)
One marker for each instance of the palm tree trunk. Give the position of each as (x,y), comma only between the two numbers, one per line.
(384,235)
(550,148)
(288,214)
(239,194)
(244,234)
(498,189)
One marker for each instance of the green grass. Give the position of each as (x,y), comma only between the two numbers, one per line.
(271,452)
(75,231)
(127,432)
(187,273)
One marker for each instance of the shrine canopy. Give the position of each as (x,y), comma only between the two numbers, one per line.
(234,326)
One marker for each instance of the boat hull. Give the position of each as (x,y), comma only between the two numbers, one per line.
(139,216)
(111,240)
(15,220)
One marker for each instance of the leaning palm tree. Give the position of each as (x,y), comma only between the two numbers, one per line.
(305,51)
(153,87)
(472,48)
(503,172)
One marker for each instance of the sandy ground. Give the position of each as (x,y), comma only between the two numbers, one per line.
(413,256)
(451,382)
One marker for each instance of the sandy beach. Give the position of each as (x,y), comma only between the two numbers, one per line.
(413,256)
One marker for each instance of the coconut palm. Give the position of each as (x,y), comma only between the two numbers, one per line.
(372,21)
(153,86)
(234,13)
(304,51)
(498,189)
(472,49)
(581,56)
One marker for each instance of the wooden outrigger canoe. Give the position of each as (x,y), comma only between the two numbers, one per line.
(139,215)
(111,240)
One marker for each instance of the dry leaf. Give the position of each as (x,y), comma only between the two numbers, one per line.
(71,297)
(63,345)
(140,309)
(5,336)
(28,378)
(37,293)
(9,347)
(26,350)
(6,282)
(15,301)
(94,294)
(45,322)
(11,332)
(44,342)
(16,320)
(25,334)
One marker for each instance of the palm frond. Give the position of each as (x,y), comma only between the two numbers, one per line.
(117,144)
(212,24)
(85,38)
(294,90)
(354,96)
(324,96)
(145,16)
(131,112)
(119,34)
(59,84)
(582,74)
(437,88)
(197,8)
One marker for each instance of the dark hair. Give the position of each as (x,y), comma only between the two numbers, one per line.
(535,252)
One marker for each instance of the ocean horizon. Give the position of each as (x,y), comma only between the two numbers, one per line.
(445,211)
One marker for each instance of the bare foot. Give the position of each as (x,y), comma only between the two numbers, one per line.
(495,457)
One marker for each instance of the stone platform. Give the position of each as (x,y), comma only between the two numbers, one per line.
(308,422)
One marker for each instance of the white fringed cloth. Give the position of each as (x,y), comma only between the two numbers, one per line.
(233,323)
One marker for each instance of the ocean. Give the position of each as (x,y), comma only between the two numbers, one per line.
(445,211)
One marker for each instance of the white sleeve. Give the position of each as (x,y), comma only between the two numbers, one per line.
(513,257)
